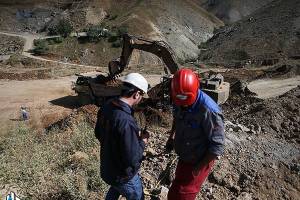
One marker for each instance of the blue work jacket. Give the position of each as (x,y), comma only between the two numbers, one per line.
(199,129)
(121,148)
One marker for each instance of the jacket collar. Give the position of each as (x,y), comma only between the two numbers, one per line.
(122,106)
(198,100)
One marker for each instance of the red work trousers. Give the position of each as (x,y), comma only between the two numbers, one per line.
(186,186)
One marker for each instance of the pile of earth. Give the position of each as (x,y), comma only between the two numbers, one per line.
(265,37)
(255,165)
(278,115)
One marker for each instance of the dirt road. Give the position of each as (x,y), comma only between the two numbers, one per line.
(29,38)
(47,100)
(35,95)
(267,88)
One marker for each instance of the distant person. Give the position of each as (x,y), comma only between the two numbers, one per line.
(122,142)
(24,113)
(197,135)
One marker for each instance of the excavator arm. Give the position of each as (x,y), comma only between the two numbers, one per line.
(99,88)
(158,48)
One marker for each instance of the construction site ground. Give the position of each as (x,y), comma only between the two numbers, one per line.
(262,132)
(261,158)
(54,154)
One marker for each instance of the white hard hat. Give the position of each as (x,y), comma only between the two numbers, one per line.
(137,80)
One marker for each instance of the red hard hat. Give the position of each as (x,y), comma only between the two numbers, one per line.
(184,87)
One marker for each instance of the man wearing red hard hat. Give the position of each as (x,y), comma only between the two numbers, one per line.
(197,135)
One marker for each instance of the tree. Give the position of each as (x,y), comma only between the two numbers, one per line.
(64,28)
(41,47)
(96,32)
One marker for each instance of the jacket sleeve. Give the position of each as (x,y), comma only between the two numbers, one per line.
(99,128)
(214,129)
(132,147)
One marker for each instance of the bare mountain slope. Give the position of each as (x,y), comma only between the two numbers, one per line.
(232,10)
(181,23)
(265,37)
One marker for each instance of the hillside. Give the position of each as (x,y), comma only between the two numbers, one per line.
(183,24)
(265,37)
(232,10)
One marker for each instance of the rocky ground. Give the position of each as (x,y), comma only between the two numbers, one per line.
(261,156)
(10,45)
(261,159)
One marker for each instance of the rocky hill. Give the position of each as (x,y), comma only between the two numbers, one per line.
(232,10)
(265,37)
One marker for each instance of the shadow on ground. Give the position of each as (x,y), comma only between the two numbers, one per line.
(70,102)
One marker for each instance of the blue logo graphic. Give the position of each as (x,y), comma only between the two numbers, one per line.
(12,196)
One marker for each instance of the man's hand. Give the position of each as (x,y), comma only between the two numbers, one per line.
(208,157)
(144,135)
(170,142)
(169,145)
(197,168)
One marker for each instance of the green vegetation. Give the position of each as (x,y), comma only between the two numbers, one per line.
(63,28)
(56,40)
(95,33)
(41,47)
(113,35)
(62,164)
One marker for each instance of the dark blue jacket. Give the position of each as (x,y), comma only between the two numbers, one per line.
(199,129)
(121,149)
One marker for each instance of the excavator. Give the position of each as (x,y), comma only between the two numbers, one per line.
(98,89)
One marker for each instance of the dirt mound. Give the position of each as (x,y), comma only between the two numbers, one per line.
(263,38)
(278,116)
(147,115)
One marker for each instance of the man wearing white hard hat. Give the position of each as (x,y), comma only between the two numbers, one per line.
(121,140)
